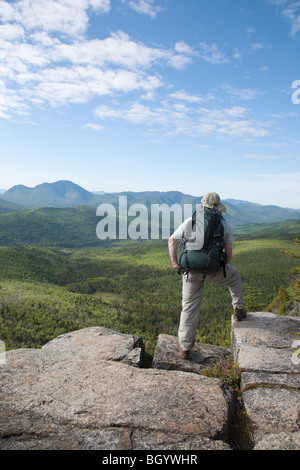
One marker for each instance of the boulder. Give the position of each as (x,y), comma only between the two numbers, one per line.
(262,344)
(98,343)
(251,380)
(202,356)
(280,441)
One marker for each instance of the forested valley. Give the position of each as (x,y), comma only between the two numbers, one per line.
(130,288)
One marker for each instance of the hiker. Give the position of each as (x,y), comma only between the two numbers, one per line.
(193,279)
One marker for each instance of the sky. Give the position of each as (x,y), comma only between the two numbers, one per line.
(152,95)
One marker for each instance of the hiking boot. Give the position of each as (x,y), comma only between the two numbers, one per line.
(239,314)
(183,354)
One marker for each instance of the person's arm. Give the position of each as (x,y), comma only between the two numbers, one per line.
(172,243)
(228,251)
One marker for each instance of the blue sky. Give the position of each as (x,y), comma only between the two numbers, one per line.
(136,95)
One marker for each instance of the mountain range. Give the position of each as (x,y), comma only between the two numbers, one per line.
(66,194)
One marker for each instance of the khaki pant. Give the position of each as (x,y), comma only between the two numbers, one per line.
(192,295)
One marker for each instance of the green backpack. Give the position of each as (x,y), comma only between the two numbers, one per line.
(211,258)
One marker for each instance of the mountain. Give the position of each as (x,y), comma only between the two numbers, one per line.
(286,228)
(244,212)
(68,194)
(65,194)
(58,194)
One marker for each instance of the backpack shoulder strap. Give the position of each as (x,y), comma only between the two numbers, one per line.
(209,233)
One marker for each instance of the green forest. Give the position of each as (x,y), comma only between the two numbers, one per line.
(129,287)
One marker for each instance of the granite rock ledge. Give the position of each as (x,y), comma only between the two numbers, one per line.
(85,390)
(88,390)
(262,344)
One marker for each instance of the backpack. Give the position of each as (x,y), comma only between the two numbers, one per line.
(210,258)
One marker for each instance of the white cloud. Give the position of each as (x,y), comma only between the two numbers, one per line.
(211,53)
(136,113)
(250,31)
(63,16)
(69,68)
(242,93)
(94,127)
(182,95)
(241,129)
(179,61)
(256,46)
(6,11)
(292,13)
(182,56)
(11,103)
(11,32)
(237,54)
(118,49)
(187,118)
(183,48)
(146,7)
(60,86)
(41,69)
(290,10)
(233,122)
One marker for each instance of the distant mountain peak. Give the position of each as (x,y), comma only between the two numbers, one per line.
(61,193)
(65,193)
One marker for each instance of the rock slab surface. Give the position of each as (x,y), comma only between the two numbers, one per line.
(262,344)
(87,390)
(84,390)
(202,356)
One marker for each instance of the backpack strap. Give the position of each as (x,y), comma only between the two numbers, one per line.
(209,234)
(206,267)
(183,252)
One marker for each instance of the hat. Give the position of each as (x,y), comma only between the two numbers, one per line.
(212,200)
